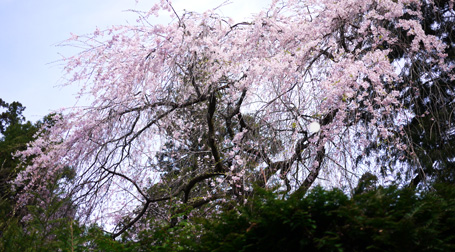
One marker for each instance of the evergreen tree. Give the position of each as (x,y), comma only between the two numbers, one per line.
(427,93)
(15,134)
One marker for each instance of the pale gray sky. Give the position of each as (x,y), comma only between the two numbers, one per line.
(31,29)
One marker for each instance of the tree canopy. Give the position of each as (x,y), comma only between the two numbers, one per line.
(193,117)
(15,134)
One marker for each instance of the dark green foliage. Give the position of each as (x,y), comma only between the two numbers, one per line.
(15,134)
(12,115)
(383,219)
(66,235)
(53,228)
(182,237)
(271,224)
(366,183)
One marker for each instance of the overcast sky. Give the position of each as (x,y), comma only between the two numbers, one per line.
(31,29)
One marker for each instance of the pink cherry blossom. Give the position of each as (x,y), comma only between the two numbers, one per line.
(238,97)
